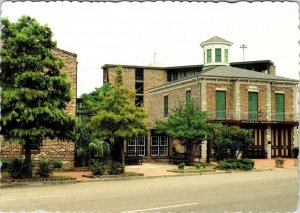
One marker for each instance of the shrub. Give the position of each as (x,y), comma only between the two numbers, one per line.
(295,152)
(98,168)
(57,163)
(4,164)
(44,169)
(15,168)
(197,165)
(243,164)
(115,168)
(181,166)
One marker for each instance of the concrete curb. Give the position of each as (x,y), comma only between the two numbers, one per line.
(109,179)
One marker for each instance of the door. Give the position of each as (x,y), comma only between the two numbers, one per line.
(281,142)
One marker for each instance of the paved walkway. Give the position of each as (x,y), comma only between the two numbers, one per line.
(160,169)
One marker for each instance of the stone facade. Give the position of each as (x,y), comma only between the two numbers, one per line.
(52,149)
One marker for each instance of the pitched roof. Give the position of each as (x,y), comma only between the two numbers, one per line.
(234,72)
(215,39)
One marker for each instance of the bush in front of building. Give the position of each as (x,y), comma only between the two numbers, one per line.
(4,164)
(44,169)
(109,168)
(181,166)
(115,168)
(19,168)
(295,152)
(57,164)
(243,164)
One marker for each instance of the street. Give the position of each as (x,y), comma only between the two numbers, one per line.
(266,191)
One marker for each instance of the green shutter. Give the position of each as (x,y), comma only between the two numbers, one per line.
(188,97)
(279,107)
(252,105)
(220,105)
(226,55)
(218,57)
(166,107)
(208,55)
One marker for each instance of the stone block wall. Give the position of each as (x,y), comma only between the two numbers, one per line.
(50,150)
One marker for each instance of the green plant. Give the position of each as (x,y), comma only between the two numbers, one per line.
(243,164)
(197,165)
(98,168)
(19,168)
(57,163)
(115,168)
(181,166)
(44,169)
(4,164)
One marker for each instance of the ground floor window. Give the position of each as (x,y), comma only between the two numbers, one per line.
(159,146)
(137,145)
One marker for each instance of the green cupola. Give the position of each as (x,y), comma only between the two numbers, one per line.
(216,52)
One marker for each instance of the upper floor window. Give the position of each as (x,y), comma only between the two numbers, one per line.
(279,106)
(208,55)
(188,97)
(252,105)
(218,55)
(166,107)
(226,55)
(220,105)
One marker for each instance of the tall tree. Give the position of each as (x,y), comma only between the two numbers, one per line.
(35,92)
(117,118)
(186,124)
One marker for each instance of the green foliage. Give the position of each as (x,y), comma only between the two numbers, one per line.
(115,168)
(35,93)
(229,141)
(187,124)
(19,168)
(197,165)
(44,169)
(117,118)
(295,152)
(57,164)
(98,168)
(4,164)
(87,146)
(181,166)
(243,164)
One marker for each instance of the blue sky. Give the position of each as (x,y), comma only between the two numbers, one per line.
(129,33)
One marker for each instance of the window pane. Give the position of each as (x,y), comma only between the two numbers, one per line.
(166,107)
(163,151)
(279,107)
(218,57)
(164,141)
(154,150)
(132,142)
(154,141)
(220,105)
(252,105)
(208,55)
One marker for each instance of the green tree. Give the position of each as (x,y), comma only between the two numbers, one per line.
(186,124)
(117,119)
(229,141)
(35,93)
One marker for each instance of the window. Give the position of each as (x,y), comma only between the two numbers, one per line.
(226,55)
(208,56)
(279,106)
(137,145)
(218,57)
(220,105)
(188,97)
(166,107)
(159,146)
(252,105)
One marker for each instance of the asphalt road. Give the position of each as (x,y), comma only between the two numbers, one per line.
(267,191)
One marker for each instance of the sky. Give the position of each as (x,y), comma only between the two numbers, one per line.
(129,33)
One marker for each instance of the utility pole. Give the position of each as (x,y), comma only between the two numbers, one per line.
(243,46)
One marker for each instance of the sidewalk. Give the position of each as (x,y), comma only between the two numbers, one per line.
(160,169)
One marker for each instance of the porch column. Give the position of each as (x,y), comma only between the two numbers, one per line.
(204,150)
(236,100)
(203,95)
(269,103)
(268,141)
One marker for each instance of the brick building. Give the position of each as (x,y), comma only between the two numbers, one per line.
(246,94)
(52,149)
